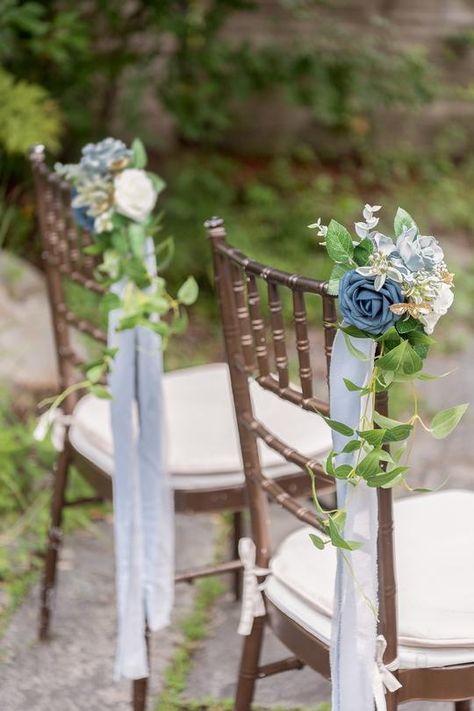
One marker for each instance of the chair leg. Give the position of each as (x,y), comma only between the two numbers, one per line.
(249,666)
(140,686)
(462,706)
(54,542)
(391,701)
(237,520)
(140,693)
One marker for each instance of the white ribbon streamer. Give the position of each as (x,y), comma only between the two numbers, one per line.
(252,599)
(354,627)
(143,499)
(383,678)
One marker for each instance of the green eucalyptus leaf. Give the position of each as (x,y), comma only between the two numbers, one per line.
(188,292)
(444,422)
(317,541)
(339,243)
(403,219)
(139,153)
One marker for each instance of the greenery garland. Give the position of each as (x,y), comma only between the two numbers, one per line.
(392,291)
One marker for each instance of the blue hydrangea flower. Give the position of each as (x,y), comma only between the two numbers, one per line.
(100,158)
(419,251)
(365,307)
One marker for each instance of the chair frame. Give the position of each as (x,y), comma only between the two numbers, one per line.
(63,259)
(244,336)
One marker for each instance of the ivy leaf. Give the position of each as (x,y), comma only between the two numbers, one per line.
(401,358)
(362,251)
(164,251)
(139,153)
(420,342)
(188,292)
(317,541)
(403,219)
(339,243)
(444,422)
(405,325)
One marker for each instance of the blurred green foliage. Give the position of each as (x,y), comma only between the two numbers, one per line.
(25,492)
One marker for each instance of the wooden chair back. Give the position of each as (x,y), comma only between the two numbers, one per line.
(63,242)
(250,312)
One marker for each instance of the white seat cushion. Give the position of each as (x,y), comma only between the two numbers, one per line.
(202,441)
(434,535)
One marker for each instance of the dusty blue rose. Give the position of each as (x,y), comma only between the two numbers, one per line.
(364,307)
(81,217)
(419,251)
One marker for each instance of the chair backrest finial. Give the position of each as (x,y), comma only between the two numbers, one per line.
(37,153)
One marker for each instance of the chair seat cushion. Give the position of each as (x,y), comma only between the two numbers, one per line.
(201,430)
(434,536)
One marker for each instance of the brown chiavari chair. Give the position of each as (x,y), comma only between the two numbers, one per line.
(204,455)
(433,639)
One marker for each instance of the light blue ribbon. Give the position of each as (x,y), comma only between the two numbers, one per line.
(354,627)
(143,497)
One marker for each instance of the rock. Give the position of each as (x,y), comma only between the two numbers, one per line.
(27,353)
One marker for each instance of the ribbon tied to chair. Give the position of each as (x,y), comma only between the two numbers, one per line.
(143,497)
(252,599)
(355,647)
(383,678)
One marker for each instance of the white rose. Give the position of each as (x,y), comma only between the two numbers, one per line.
(440,306)
(134,194)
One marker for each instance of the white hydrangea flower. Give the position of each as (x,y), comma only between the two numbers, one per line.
(439,307)
(103,222)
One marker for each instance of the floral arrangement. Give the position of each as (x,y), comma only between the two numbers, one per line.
(393,291)
(113,198)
